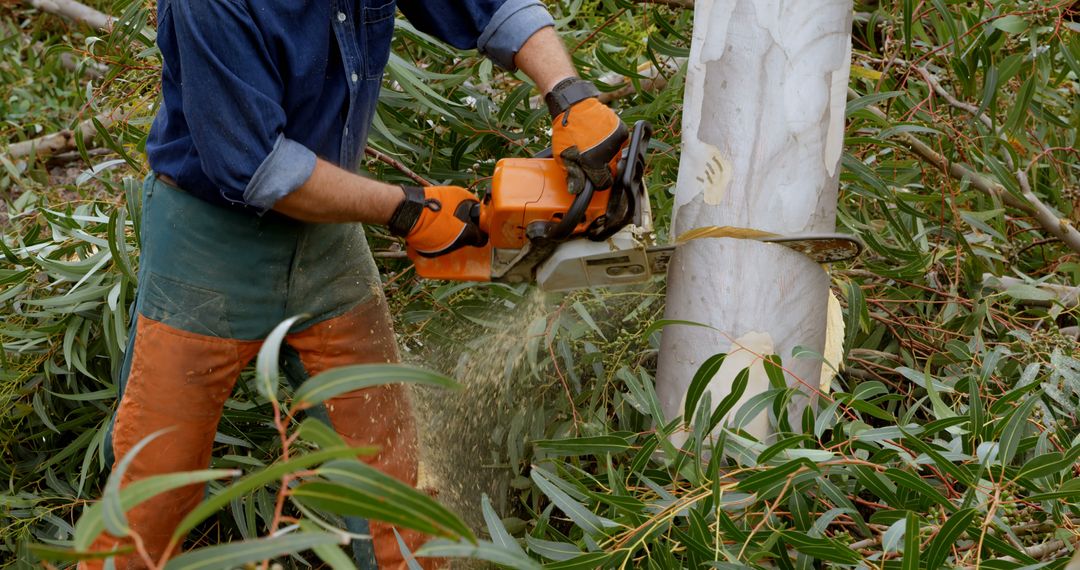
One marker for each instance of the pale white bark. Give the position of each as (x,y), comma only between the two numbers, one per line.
(762,132)
(75,11)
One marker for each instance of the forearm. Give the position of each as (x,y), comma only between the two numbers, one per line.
(332,194)
(544,59)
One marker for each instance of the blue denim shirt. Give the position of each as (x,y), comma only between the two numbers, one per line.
(254,90)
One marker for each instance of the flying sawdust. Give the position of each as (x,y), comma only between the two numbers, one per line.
(462,432)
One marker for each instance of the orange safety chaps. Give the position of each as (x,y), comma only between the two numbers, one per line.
(212,284)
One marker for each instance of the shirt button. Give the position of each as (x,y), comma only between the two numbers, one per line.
(346,131)
(341,16)
(355,77)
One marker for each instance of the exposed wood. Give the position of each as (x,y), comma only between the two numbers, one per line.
(763,126)
(63,141)
(75,11)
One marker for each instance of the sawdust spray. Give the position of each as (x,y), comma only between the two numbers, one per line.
(462,455)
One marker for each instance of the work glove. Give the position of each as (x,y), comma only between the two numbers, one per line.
(586,135)
(436,220)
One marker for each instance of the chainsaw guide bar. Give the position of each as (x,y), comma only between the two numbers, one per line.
(822,248)
(625,259)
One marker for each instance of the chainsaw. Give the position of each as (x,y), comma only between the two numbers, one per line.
(539,232)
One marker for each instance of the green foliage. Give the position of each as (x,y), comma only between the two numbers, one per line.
(950,438)
(830,493)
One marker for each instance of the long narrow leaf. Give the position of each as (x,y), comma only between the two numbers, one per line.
(266,363)
(589,522)
(269,475)
(113,511)
(357,377)
(233,554)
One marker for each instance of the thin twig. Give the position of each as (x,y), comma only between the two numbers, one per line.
(555,364)
(397,164)
(140,547)
(865,543)
(281,424)
(74,156)
(950,99)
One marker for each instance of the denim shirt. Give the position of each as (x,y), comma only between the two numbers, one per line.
(254,90)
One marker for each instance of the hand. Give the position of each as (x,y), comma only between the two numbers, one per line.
(437,220)
(586,135)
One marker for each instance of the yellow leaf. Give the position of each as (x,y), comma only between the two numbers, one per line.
(834,343)
(865,73)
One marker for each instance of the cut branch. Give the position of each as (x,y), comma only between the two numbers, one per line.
(1030,203)
(76,12)
(63,141)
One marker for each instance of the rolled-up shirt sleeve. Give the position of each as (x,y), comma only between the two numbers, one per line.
(497,28)
(232,101)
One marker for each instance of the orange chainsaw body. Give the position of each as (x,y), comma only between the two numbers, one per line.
(523,190)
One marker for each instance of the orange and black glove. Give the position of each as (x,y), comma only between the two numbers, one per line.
(436,220)
(586,135)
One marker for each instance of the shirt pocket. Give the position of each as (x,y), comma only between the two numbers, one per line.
(377,23)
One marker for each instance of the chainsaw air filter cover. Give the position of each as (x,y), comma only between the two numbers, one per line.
(527,190)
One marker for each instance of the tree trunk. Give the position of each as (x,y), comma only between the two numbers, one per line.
(763,130)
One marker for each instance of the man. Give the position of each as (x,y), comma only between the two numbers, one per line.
(250,216)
